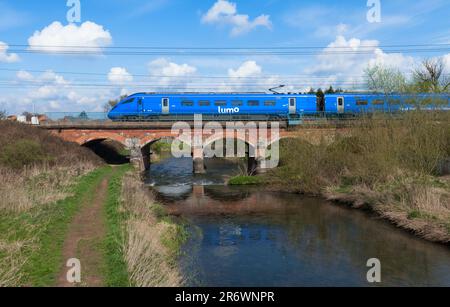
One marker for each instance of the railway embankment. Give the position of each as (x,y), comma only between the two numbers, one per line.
(394,167)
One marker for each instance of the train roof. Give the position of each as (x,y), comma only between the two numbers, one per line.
(256,94)
(249,94)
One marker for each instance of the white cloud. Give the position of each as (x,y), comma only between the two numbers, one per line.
(52,77)
(5,56)
(51,92)
(88,37)
(165,68)
(343,61)
(46,78)
(248,77)
(24,75)
(46,86)
(119,75)
(164,73)
(224,12)
(247,69)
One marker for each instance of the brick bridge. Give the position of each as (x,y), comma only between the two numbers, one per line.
(138,138)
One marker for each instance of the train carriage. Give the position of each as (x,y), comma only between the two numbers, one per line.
(262,106)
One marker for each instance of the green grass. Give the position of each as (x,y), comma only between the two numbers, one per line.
(48,224)
(345,189)
(245,180)
(116,274)
(161,146)
(174,239)
(417,214)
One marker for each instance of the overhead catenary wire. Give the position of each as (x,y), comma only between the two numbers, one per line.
(228,51)
(195,76)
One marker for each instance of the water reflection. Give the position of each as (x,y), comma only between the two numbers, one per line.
(250,237)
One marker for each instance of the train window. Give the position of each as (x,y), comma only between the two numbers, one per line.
(270,103)
(237,103)
(139,101)
(253,103)
(128,101)
(204,103)
(340,101)
(361,102)
(165,102)
(377,102)
(220,103)
(292,102)
(187,103)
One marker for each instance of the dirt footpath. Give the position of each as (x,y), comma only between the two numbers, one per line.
(84,239)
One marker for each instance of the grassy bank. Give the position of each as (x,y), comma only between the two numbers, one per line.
(31,239)
(143,242)
(42,178)
(116,274)
(245,180)
(38,168)
(46,184)
(389,165)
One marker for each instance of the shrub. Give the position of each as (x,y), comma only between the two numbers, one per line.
(23,153)
(60,152)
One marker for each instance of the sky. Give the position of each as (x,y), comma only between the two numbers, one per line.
(52,62)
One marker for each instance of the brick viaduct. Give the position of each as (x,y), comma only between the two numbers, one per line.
(138,137)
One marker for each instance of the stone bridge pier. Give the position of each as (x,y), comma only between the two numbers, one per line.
(139,155)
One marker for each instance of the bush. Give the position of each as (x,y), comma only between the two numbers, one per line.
(59,152)
(23,153)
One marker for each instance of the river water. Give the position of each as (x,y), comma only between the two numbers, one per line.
(244,236)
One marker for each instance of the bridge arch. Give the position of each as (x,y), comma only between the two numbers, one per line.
(101,136)
(250,151)
(111,151)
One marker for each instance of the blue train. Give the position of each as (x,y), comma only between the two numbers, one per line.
(262,106)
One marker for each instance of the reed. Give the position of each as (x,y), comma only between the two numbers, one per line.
(151,242)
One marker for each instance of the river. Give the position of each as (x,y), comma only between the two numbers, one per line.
(246,236)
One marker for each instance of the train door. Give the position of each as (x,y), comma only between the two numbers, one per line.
(340,105)
(165,103)
(140,105)
(292,105)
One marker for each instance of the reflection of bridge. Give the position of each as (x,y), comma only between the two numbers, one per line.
(139,136)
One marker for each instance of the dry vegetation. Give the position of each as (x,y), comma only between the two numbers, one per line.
(36,169)
(151,240)
(393,165)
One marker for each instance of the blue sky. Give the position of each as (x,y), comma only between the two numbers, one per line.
(51,81)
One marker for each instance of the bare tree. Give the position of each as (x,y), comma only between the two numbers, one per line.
(112,103)
(109,105)
(2,115)
(429,77)
(385,80)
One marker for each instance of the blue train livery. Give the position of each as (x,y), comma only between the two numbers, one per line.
(261,106)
